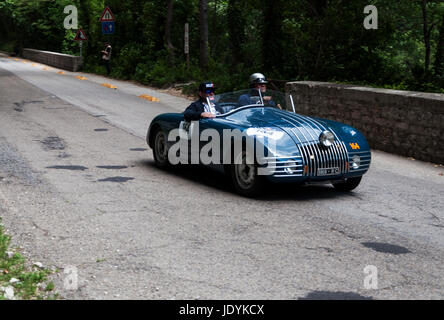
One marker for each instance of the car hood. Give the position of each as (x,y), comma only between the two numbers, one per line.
(301,129)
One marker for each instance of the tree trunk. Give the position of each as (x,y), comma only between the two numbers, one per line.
(6,25)
(439,60)
(169,19)
(272,34)
(85,10)
(426,32)
(236,34)
(203,21)
(319,6)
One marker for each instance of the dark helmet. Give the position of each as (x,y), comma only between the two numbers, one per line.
(206,87)
(257,78)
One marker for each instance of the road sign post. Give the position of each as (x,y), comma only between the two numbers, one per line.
(80,36)
(187,44)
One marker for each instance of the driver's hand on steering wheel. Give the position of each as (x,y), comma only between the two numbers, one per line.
(207,115)
(268,99)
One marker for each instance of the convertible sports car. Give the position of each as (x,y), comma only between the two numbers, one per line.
(291,147)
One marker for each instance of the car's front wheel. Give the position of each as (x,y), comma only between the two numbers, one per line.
(348,185)
(160,149)
(245,178)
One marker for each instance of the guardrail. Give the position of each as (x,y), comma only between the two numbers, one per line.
(402,122)
(6,53)
(54,59)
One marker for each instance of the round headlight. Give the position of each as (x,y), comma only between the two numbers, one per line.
(292,166)
(356,162)
(327,138)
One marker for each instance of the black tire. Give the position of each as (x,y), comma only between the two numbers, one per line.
(160,149)
(348,185)
(245,178)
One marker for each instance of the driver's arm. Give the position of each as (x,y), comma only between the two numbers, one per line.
(268,101)
(193,112)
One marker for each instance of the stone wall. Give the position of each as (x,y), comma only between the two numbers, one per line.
(58,60)
(403,122)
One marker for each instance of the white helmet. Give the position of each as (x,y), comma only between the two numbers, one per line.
(257,78)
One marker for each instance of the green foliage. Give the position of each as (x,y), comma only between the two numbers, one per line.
(124,65)
(15,267)
(322,40)
(69,46)
(161,74)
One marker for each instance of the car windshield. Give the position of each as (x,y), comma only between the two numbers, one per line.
(230,101)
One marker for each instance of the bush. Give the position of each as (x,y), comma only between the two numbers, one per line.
(125,62)
(162,74)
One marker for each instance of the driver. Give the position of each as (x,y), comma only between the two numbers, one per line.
(259,82)
(204,107)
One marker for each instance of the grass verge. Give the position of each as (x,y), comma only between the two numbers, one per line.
(19,281)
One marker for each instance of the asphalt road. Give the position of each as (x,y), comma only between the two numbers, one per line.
(78,188)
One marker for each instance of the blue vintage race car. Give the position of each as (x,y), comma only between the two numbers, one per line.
(259,142)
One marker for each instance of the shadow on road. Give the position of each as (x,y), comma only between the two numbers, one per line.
(274,191)
(338,295)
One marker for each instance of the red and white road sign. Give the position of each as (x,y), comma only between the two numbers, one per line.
(107,15)
(80,36)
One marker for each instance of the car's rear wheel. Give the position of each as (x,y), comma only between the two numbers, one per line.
(348,185)
(160,149)
(245,178)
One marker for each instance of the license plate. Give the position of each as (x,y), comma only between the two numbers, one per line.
(328,171)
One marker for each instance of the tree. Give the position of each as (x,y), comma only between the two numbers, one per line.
(321,40)
(427,31)
(203,23)
(272,33)
(169,19)
(85,9)
(236,35)
(439,57)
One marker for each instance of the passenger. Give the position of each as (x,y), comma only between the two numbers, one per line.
(200,108)
(259,82)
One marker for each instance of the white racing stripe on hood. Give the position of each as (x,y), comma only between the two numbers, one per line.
(303,128)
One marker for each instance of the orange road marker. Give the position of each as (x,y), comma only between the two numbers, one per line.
(60,72)
(107,85)
(81,78)
(149,98)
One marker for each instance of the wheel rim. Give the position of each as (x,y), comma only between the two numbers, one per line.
(160,147)
(244,173)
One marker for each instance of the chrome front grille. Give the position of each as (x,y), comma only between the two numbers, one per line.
(366,158)
(313,156)
(285,166)
(316,156)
